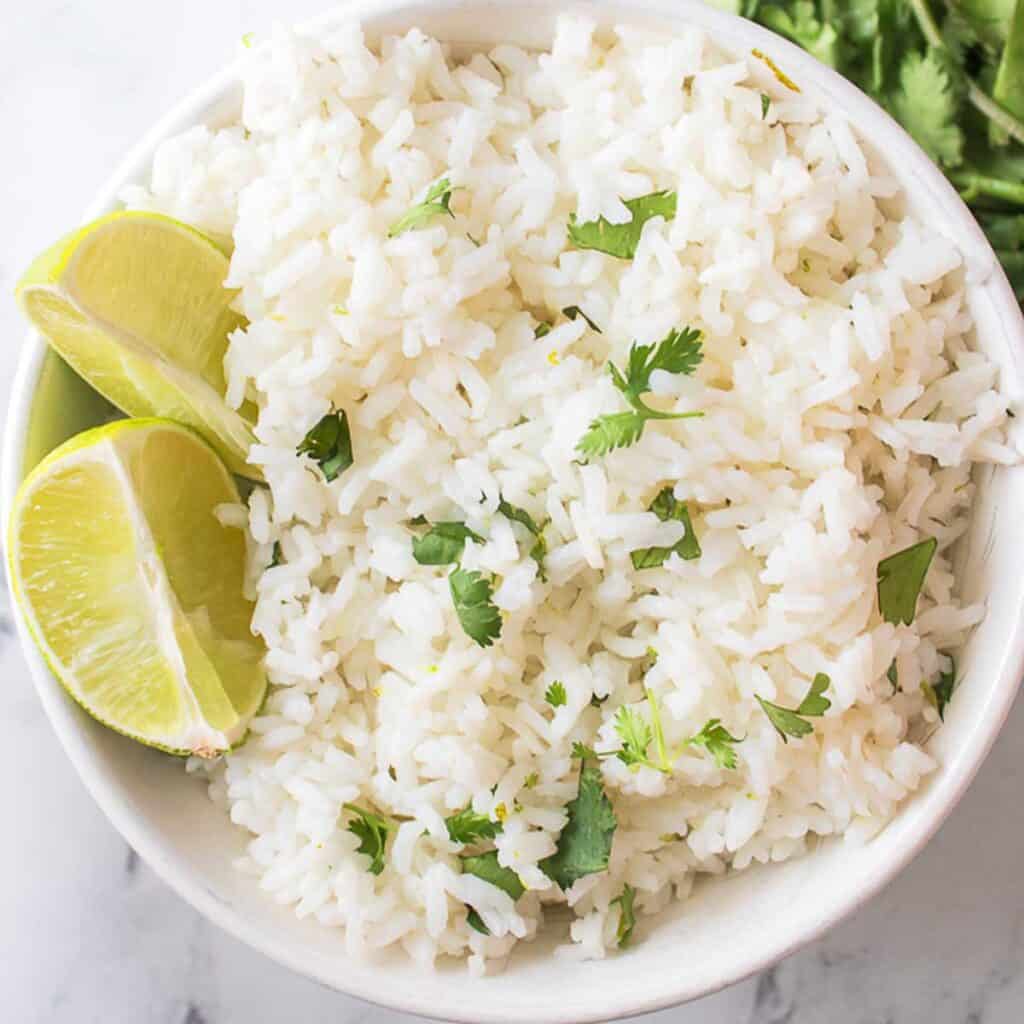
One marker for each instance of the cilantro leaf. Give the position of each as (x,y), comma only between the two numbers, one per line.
(606,433)
(585,844)
(329,444)
(555,695)
(665,507)
(927,107)
(372,831)
(574,311)
(581,752)
(476,922)
(678,352)
(900,578)
(542,329)
(486,866)
(636,736)
(794,723)
(718,742)
(621,240)
(466,826)
(766,105)
(940,693)
(436,201)
(627,916)
(471,595)
(521,516)
(443,543)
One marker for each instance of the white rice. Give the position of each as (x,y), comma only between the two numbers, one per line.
(843,407)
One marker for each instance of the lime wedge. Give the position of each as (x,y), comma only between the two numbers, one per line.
(136,303)
(132,588)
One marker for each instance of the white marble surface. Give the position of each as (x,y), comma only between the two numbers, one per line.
(88,934)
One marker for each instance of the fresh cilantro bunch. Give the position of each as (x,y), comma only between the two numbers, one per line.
(950,71)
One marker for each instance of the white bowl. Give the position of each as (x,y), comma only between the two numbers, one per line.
(729,928)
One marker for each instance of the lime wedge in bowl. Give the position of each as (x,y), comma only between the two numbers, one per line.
(135,302)
(133,589)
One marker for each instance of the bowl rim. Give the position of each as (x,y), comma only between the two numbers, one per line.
(732,32)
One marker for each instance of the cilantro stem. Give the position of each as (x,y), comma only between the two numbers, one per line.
(974,185)
(976,96)
(664,764)
(994,111)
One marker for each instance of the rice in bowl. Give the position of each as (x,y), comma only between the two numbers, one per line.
(843,408)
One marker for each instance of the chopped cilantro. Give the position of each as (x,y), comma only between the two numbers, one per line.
(574,311)
(900,578)
(466,826)
(585,844)
(627,916)
(471,594)
(637,736)
(621,240)
(329,444)
(892,674)
(476,922)
(277,557)
(665,507)
(521,516)
(766,105)
(372,831)
(555,695)
(542,329)
(486,866)
(678,352)
(436,201)
(794,723)
(718,742)
(940,693)
(443,543)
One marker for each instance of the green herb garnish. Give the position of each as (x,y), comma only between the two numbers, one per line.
(585,844)
(372,831)
(329,444)
(486,866)
(476,922)
(467,826)
(574,311)
(718,742)
(621,240)
(277,557)
(443,543)
(436,201)
(678,352)
(627,916)
(521,516)
(900,578)
(555,695)
(794,722)
(665,507)
(940,693)
(542,329)
(766,105)
(637,736)
(471,594)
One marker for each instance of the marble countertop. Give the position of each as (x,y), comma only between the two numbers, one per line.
(88,933)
